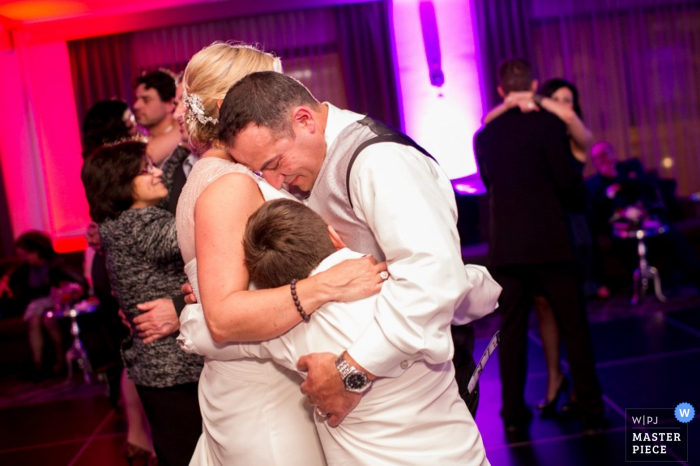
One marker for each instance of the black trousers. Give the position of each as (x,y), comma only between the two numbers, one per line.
(176,422)
(463,360)
(560,283)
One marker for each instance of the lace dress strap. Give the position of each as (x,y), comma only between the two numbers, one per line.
(204,172)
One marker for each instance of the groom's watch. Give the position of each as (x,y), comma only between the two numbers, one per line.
(354,379)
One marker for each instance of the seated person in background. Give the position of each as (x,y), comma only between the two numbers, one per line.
(618,186)
(622,196)
(415,419)
(41,283)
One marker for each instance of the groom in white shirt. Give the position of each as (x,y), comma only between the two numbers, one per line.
(385,196)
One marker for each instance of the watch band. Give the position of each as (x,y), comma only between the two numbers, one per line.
(343,367)
(354,380)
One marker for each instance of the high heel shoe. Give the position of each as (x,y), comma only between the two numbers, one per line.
(571,409)
(135,455)
(548,408)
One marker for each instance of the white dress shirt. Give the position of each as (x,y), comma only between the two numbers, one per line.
(417,419)
(408,202)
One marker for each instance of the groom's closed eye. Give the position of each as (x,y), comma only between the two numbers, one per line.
(271,164)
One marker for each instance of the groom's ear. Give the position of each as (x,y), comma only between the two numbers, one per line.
(304,118)
(335,238)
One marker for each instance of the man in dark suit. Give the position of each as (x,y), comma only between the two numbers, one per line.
(176,168)
(526,165)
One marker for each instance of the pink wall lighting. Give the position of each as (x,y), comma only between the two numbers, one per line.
(40,143)
(441,119)
(23,182)
(58,137)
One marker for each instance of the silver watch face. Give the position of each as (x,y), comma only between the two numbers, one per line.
(356,382)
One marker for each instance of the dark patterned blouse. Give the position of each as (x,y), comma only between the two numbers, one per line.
(144,263)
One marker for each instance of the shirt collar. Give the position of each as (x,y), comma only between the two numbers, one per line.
(335,259)
(337,121)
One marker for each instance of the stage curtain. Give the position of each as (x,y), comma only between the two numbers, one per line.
(365,52)
(638,74)
(314,45)
(503,32)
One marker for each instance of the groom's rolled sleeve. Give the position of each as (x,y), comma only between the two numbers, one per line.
(408,203)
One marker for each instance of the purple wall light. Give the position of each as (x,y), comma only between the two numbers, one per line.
(441,117)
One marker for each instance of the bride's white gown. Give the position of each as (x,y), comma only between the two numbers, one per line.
(253,411)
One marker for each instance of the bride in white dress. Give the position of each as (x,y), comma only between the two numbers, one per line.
(253,411)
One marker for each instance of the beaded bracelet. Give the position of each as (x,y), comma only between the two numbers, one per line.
(293,287)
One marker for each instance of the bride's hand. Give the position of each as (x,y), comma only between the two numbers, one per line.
(355,279)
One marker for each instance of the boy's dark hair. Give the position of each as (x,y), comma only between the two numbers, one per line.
(284,240)
(264,99)
(108,176)
(515,75)
(36,241)
(162,81)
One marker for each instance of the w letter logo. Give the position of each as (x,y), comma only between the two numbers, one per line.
(684,412)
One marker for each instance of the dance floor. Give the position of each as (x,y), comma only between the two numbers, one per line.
(648,356)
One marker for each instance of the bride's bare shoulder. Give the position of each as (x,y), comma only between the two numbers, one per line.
(231,189)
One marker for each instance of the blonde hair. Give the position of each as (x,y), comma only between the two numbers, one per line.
(209,75)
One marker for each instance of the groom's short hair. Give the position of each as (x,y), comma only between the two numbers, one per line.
(284,240)
(263,99)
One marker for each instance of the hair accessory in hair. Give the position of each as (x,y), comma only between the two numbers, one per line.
(195,109)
